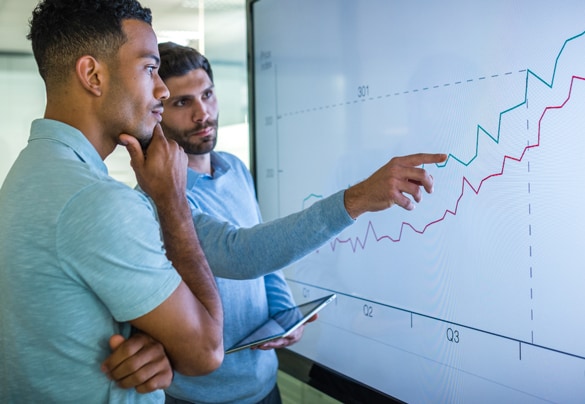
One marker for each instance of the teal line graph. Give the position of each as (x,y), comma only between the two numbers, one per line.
(496,139)
(356,242)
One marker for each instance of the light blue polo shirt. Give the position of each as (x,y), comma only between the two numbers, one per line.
(80,253)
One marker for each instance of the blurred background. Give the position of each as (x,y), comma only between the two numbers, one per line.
(217,28)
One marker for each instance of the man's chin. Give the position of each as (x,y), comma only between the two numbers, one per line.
(143,139)
(203,146)
(196,151)
(145,142)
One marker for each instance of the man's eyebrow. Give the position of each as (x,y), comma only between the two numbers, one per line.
(208,88)
(181,97)
(153,57)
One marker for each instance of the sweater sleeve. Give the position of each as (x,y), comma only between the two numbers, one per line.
(278,293)
(248,253)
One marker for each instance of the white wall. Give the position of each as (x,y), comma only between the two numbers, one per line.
(23,99)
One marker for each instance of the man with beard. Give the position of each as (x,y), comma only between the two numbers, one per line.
(219,186)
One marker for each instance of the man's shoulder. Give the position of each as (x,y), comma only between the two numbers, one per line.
(103,190)
(106,203)
(229,158)
(228,162)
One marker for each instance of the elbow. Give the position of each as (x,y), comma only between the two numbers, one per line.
(207,357)
(214,361)
(206,363)
(214,354)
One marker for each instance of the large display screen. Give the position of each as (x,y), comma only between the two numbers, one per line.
(479,293)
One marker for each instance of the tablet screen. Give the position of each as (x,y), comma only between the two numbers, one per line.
(282,323)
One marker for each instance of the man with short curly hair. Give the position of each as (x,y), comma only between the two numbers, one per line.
(93,307)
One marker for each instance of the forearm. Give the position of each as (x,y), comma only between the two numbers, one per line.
(184,251)
(189,323)
(248,253)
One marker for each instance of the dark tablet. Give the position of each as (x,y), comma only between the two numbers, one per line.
(282,323)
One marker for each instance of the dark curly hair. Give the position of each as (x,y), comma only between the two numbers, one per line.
(61,31)
(177,60)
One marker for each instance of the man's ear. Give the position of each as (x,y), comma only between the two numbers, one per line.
(90,74)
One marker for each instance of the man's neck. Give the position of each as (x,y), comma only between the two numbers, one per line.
(86,123)
(200,163)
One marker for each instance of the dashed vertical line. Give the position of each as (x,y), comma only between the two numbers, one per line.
(530,239)
(530,243)
(520,350)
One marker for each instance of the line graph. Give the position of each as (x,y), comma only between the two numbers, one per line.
(478,288)
(358,242)
(465,183)
(529,73)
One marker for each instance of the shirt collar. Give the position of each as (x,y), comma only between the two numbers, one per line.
(69,136)
(220,167)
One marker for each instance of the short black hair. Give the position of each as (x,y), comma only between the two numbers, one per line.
(178,60)
(61,31)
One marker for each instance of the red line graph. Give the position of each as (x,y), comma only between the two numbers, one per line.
(465,183)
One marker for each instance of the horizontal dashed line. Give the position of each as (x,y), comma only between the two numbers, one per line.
(341,104)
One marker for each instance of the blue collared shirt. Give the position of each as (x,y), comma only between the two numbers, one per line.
(80,255)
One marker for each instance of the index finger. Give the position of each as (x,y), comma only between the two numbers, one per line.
(118,356)
(157,134)
(134,149)
(424,158)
